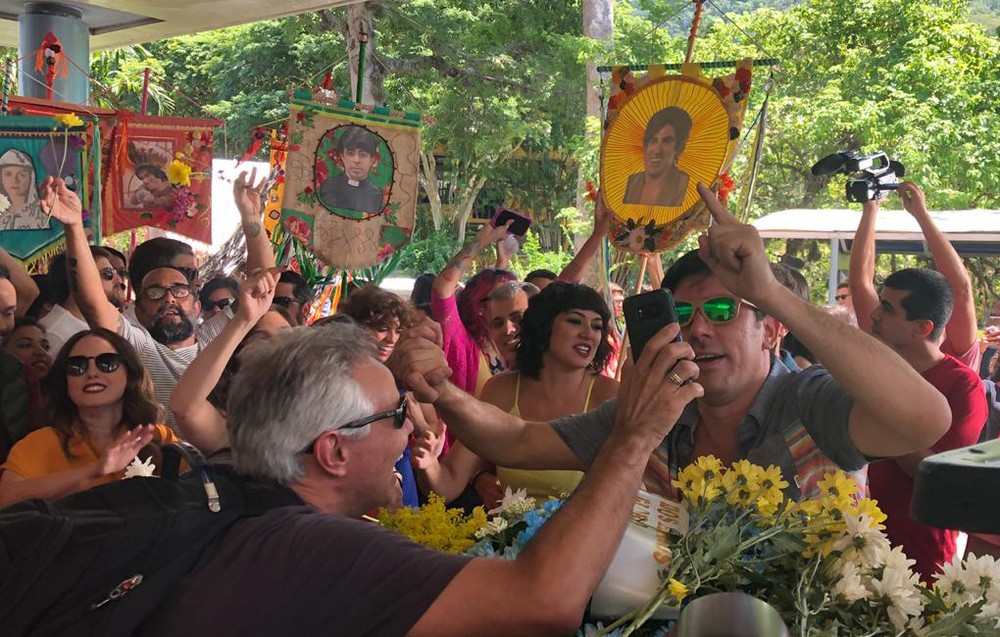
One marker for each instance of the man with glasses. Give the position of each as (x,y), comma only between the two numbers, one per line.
(314,410)
(166,305)
(869,404)
(66,318)
(293,294)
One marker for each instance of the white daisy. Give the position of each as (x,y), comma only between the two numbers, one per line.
(985,571)
(899,588)
(4,203)
(894,558)
(957,584)
(862,541)
(850,586)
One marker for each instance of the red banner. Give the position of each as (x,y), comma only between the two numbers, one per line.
(159,174)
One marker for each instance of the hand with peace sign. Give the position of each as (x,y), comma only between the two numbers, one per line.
(735,253)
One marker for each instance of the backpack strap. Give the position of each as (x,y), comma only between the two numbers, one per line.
(172,455)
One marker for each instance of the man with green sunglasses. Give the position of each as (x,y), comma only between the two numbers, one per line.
(867,403)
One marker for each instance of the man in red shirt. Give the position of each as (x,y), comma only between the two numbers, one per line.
(913,309)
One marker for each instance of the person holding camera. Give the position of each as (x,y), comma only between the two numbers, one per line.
(961,334)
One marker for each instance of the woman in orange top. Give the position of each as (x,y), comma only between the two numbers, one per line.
(98,399)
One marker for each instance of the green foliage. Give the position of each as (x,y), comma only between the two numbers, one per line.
(429,252)
(121,71)
(531,257)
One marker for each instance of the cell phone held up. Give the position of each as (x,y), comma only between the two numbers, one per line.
(521,221)
(645,315)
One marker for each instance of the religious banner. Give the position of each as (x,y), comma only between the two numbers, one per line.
(31,149)
(663,135)
(160,175)
(350,179)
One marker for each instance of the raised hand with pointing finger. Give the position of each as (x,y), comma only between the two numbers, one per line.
(735,253)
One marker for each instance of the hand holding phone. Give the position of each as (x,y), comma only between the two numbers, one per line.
(645,315)
(520,224)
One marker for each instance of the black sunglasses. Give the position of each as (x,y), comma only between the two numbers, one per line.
(398,414)
(284,301)
(222,304)
(108,274)
(106,363)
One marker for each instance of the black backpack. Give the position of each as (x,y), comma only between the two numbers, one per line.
(100,561)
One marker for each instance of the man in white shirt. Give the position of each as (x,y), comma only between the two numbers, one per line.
(66,319)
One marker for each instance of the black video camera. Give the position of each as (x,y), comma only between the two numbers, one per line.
(874,175)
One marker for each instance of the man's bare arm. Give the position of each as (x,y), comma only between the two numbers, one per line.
(861,273)
(24,285)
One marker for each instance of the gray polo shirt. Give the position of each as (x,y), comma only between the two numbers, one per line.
(798,422)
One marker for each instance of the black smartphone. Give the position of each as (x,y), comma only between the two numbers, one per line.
(521,222)
(645,315)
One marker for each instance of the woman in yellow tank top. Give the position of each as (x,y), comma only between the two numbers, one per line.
(563,346)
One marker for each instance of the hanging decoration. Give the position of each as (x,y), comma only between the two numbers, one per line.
(31,149)
(663,135)
(351,179)
(272,206)
(50,61)
(159,175)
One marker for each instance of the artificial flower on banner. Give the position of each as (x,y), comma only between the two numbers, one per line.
(31,149)
(159,175)
(350,179)
(663,135)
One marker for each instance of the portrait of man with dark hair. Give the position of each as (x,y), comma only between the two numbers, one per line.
(661,183)
(352,189)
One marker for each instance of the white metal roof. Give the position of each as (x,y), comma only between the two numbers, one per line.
(890,225)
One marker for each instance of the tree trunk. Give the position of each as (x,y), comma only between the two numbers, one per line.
(360,25)
(429,182)
(468,198)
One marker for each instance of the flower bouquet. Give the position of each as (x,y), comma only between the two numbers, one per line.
(824,564)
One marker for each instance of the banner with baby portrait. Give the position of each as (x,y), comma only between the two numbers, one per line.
(31,149)
(351,179)
(160,175)
(663,135)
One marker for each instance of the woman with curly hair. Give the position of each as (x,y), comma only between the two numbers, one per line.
(563,348)
(100,410)
(383,313)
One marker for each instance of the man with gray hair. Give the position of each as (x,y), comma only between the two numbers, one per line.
(505,308)
(314,410)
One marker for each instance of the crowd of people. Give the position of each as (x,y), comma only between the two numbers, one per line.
(466,390)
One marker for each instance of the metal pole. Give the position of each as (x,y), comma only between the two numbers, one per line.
(834,270)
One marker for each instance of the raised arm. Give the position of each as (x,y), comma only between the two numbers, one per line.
(546,589)
(248,194)
(84,279)
(24,285)
(447,282)
(575,269)
(491,433)
(861,273)
(198,419)
(895,411)
(961,333)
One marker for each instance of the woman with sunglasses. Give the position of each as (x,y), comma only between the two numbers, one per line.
(199,399)
(99,406)
(563,348)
